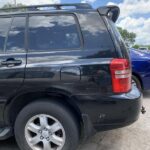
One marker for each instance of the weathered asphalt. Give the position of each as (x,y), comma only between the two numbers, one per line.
(134,137)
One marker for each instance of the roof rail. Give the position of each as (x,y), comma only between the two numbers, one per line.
(55,6)
(111,12)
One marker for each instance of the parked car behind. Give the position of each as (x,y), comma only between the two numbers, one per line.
(64,74)
(141,68)
(144,49)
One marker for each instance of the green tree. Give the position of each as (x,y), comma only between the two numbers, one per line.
(9,5)
(136,46)
(129,37)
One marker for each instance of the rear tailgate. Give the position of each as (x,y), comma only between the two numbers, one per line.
(110,15)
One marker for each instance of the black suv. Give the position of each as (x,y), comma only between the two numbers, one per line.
(64,74)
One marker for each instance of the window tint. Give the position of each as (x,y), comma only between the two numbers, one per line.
(15,42)
(4,26)
(119,38)
(53,33)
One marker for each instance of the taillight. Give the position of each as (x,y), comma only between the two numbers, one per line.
(121,75)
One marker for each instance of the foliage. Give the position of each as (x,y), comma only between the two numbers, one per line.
(129,37)
(9,5)
(136,46)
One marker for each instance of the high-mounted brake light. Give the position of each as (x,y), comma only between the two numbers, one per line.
(121,75)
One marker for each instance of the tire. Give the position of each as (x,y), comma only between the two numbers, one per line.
(55,113)
(136,81)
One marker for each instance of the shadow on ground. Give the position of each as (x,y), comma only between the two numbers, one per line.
(147,94)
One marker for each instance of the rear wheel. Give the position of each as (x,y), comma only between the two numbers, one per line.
(46,126)
(136,82)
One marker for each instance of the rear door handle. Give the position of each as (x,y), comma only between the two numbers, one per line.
(11,62)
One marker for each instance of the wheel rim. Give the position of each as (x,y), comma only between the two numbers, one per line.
(44,132)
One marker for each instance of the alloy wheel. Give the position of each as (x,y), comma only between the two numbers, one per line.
(44,132)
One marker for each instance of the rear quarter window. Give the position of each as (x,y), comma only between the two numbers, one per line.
(96,35)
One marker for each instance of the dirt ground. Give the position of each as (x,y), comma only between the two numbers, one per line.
(134,137)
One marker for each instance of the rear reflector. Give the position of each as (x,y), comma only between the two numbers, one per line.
(121,75)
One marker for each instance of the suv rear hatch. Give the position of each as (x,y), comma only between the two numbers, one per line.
(120,67)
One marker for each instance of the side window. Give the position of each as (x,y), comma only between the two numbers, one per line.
(4,27)
(57,32)
(16,36)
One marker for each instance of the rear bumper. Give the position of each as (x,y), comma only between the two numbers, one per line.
(105,113)
(120,118)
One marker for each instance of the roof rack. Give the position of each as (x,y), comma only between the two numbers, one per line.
(55,6)
(111,12)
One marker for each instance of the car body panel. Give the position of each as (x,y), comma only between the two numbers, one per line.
(83,74)
(141,66)
(11,79)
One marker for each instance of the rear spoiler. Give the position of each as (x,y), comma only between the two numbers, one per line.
(111,12)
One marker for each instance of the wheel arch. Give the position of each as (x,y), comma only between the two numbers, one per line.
(139,78)
(15,105)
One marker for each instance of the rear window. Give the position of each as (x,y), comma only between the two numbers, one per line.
(57,32)
(120,41)
(116,32)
